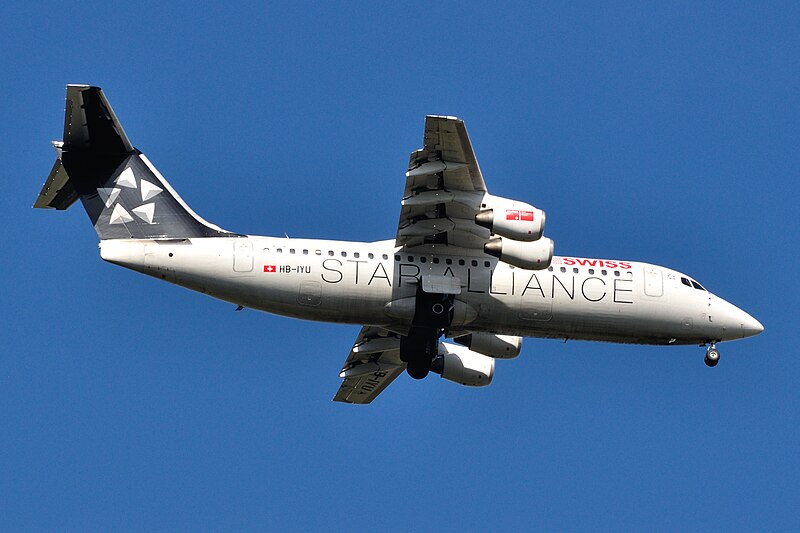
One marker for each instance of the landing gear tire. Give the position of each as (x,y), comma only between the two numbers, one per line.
(418,349)
(712,357)
(418,369)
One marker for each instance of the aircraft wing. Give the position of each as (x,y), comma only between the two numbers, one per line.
(444,189)
(373,363)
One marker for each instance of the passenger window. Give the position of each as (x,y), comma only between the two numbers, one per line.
(330,253)
(448,261)
(487,264)
(266,250)
(604,272)
(305,252)
(387,257)
(371,255)
(435,260)
(279,250)
(591,271)
(574,270)
(474,263)
(318,252)
(291,250)
(616,273)
(356,255)
(344,254)
(423,259)
(630,274)
(563,269)
(461,262)
(549,269)
(410,258)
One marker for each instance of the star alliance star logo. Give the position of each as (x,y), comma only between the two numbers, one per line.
(145,212)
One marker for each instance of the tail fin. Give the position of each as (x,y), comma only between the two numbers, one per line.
(123,193)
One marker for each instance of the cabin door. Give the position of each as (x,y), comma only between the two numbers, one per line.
(653,282)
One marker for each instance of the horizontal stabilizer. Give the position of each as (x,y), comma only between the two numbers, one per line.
(57,192)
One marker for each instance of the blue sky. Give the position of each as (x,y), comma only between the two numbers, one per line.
(667,134)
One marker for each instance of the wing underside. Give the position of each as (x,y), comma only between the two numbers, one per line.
(445,204)
(443,193)
(444,189)
(374,362)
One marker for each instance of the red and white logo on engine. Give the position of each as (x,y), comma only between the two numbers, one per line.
(515,214)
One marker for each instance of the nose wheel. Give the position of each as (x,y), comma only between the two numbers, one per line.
(712,355)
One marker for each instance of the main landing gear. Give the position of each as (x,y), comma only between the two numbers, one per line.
(712,355)
(418,349)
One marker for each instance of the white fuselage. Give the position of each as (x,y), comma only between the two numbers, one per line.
(374,283)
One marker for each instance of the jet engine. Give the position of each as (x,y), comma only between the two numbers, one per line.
(534,255)
(509,218)
(497,346)
(461,365)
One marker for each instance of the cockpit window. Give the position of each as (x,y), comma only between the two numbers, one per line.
(692,283)
(697,285)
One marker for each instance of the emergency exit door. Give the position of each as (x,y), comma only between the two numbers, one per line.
(242,256)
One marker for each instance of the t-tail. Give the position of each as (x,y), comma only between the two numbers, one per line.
(122,192)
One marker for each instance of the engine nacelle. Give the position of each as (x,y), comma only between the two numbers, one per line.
(509,218)
(461,365)
(534,255)
(497,346)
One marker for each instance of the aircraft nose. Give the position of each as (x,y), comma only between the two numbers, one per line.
(736,324)
(750,326)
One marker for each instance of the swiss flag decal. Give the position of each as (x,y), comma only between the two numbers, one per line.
(526,215)
(512,214)
(270,268)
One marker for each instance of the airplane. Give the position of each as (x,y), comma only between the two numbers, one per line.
(464,265)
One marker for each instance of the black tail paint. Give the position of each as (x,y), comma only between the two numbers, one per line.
(122,192)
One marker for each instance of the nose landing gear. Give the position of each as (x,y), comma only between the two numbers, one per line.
(712,355)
